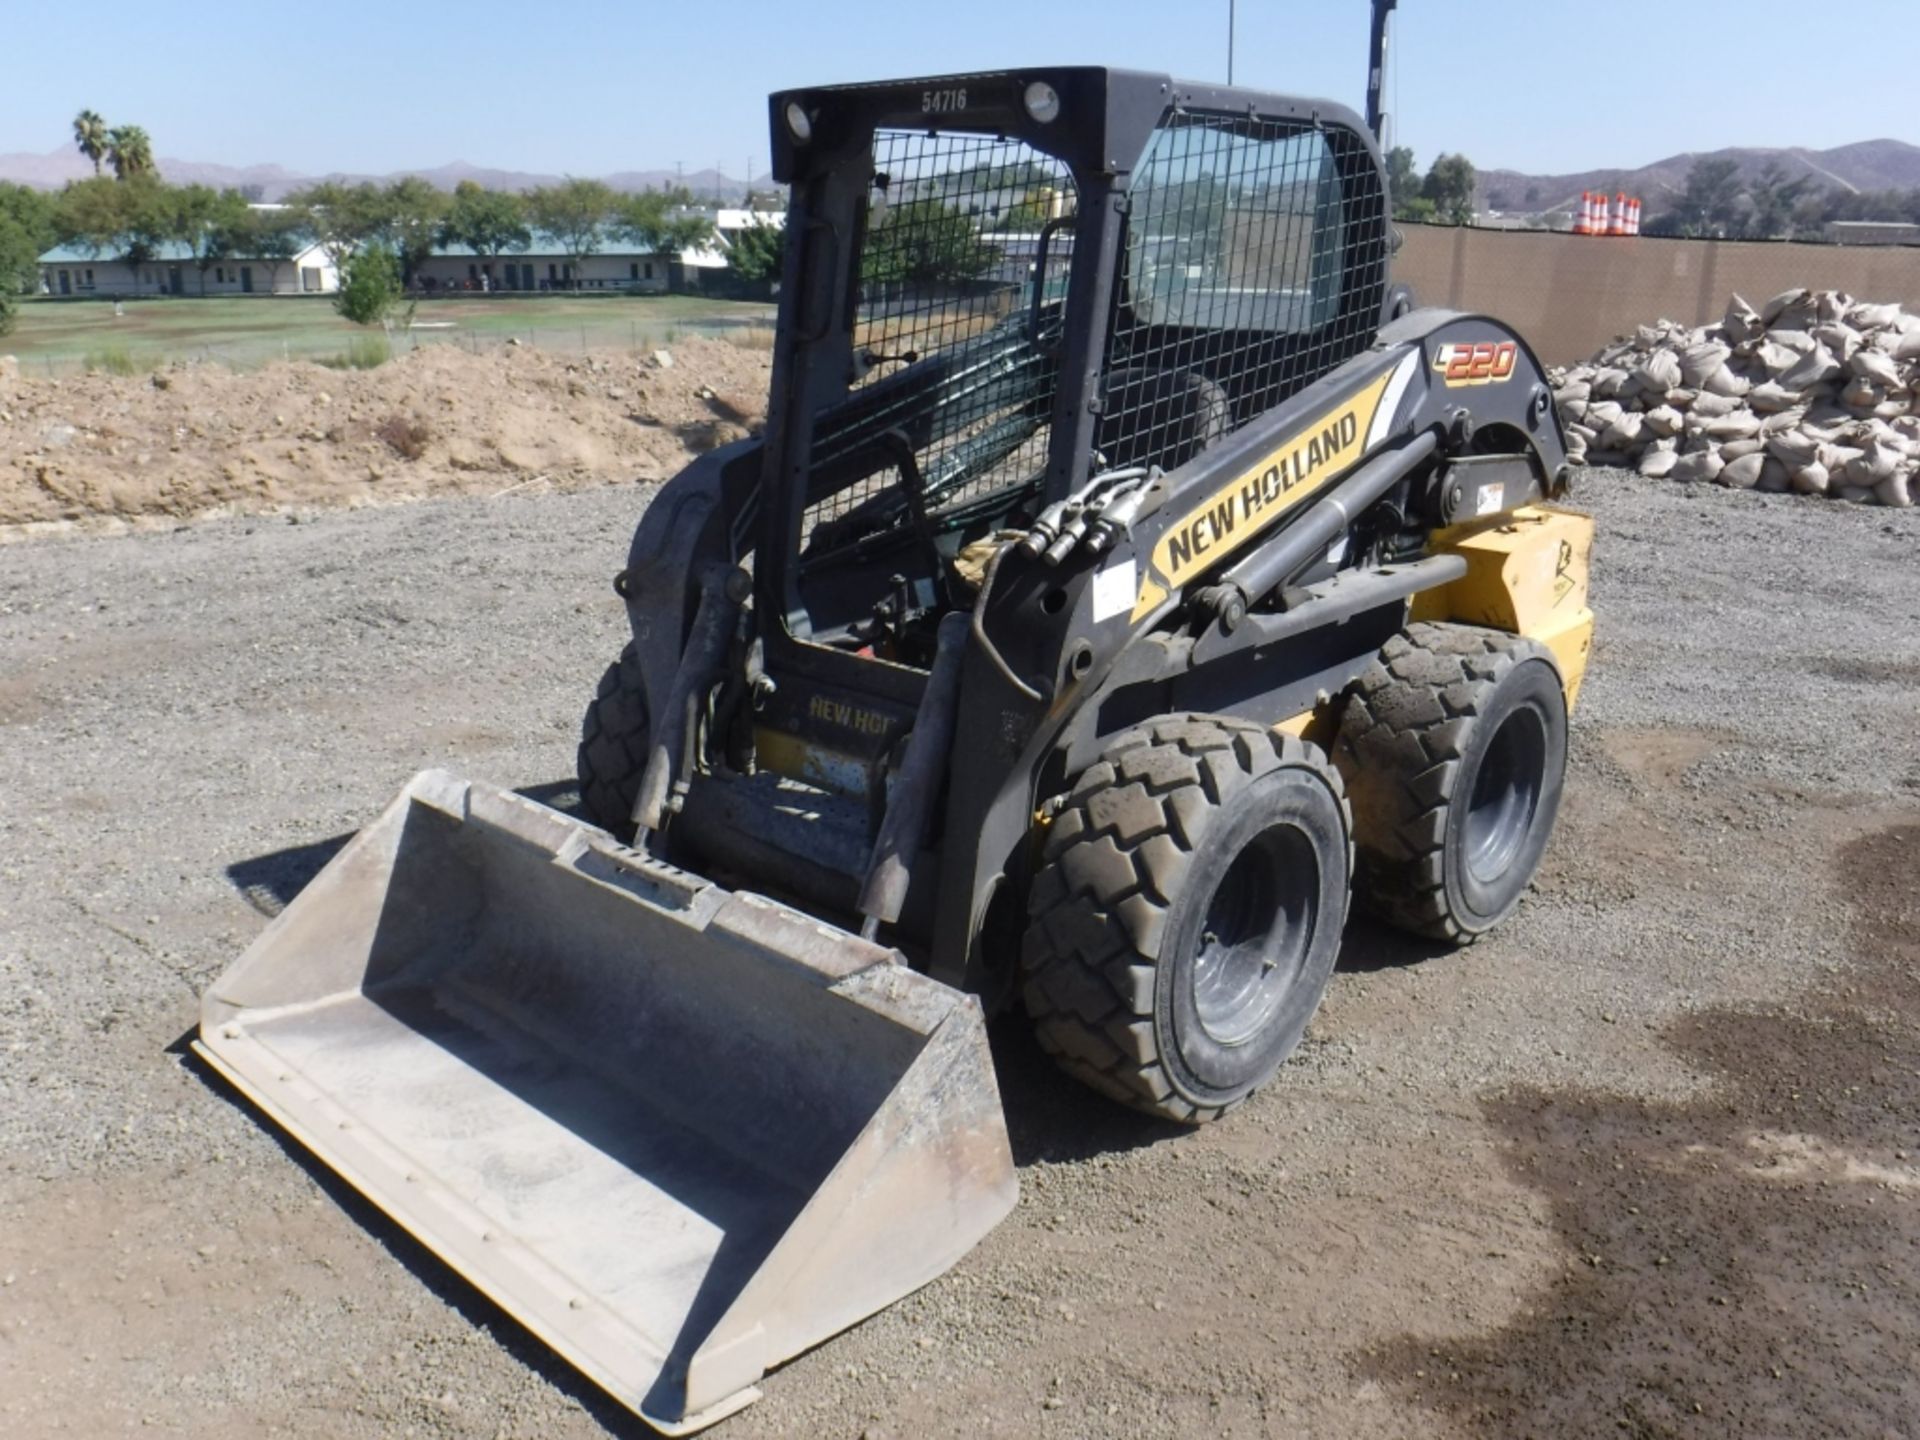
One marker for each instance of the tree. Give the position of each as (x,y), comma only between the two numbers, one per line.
(412,212)
(1450,185)
(90,136)
(92,215)
(211,224)
(369,285)
(130,152)
(146,220)
(128,219)
(342,218)
(1403,181)
(26,230)
(577,213)
(755,252)
(487,222)
(275,236)
(1811,214)
(925,242)
(1417,210)
(1709,203)
(1776,199)
(660,222)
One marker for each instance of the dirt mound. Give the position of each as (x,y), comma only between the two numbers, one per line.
(199,438)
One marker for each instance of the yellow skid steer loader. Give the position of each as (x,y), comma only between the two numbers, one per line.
(1122,582)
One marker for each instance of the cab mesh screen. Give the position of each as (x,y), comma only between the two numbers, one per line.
(1255,263)
(953,361)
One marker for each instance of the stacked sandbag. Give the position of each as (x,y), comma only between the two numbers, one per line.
(1814,392)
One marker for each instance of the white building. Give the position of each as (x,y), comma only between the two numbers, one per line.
(73,270)
(615,265)
(544,265)
(714,255)
(1872,232)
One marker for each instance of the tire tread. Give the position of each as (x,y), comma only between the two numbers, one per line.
(1403,737)
(612,753)
(1114,858)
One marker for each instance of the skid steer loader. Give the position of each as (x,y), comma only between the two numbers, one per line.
(1115,587)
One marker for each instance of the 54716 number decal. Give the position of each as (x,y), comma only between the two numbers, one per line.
(1484,362)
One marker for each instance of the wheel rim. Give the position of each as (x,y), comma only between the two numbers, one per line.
(1506,795)
(1254,942)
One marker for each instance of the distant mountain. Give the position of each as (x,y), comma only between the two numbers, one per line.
(57,167)
(1868,165)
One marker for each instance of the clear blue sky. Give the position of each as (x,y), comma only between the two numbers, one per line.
(590,87)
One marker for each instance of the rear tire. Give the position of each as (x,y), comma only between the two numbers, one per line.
(1188,915)
(1454,749)
(613,747)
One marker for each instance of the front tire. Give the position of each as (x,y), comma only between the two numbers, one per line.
(1454,749)
(1188,915)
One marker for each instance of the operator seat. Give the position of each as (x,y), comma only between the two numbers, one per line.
(1159,417)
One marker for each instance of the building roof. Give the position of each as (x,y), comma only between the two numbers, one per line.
(548,246)
(172,252)
(169,252)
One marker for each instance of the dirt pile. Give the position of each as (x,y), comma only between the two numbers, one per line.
(198,438)
(1814,392)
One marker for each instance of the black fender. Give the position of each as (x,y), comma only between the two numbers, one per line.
(705,513)
(1508,406)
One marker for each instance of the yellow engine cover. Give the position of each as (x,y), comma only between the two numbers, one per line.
(1527,575)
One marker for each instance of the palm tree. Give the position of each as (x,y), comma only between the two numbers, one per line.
(129,151)
(90,135)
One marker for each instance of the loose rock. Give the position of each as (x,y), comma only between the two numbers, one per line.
(1812,392)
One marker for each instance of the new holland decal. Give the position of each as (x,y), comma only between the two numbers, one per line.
(1239,511)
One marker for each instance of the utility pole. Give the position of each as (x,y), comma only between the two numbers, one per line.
(1231,4)
(1377,120)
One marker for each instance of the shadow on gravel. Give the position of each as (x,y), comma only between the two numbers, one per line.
(1369,947)
(1053,1118)
(270,882)
(1747,1264)
(1853,671)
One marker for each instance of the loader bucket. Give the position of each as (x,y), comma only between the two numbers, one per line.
(679,1133)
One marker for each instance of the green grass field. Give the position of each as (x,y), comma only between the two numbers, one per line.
(61,336)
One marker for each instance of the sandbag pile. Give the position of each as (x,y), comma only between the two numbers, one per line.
(1814,392)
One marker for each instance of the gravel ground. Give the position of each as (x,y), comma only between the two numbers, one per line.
(1647,1161)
